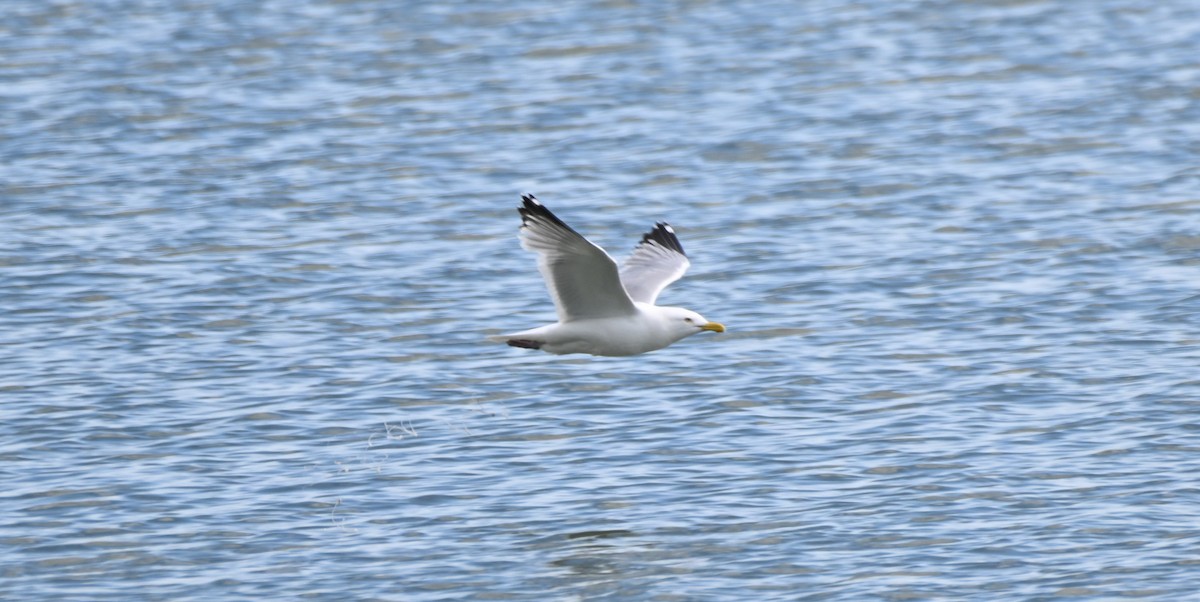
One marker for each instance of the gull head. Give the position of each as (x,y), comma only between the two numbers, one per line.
(685,322)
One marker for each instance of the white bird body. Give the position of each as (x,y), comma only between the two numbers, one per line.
(610,336)
(603,310)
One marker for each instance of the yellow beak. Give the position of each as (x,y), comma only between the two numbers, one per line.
(713,326)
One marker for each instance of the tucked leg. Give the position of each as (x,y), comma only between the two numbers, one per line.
(525,343)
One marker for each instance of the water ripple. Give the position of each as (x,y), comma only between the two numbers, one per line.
(252,252)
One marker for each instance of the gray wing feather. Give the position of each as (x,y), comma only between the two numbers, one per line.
(656,262)
(583,280)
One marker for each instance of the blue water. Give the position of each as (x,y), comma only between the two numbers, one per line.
(249,253)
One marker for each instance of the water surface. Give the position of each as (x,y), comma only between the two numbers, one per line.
(250,253)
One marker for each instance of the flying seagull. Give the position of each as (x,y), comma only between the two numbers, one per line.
(603,310)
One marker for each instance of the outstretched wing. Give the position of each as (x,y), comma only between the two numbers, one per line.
(656,262)
(583,280)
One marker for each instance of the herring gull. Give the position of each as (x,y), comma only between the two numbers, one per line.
(603,309)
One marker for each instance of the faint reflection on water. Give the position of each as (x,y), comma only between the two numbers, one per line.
(252,251)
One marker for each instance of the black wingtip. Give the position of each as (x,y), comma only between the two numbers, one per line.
(531,208)
(664,235)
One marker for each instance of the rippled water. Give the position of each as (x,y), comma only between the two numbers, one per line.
(250,252)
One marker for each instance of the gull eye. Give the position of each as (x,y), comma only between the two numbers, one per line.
(688,320)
